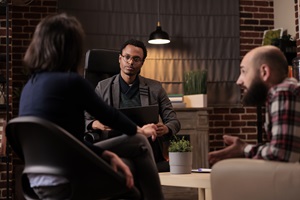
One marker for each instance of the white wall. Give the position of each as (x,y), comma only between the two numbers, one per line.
(284,16)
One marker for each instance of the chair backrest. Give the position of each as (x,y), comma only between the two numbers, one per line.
(48,149)
(101,64)
(249,179)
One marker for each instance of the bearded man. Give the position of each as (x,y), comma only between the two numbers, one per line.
(264,79)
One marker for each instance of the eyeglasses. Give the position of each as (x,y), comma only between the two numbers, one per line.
(128,58)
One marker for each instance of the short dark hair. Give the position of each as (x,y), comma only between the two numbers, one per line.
(57,45)
(136,43)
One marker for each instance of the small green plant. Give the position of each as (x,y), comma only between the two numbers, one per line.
(195,82)
(180,145)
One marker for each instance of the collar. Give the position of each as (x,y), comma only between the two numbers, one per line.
(126,89)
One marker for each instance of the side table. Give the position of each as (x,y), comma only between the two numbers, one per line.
(193,180)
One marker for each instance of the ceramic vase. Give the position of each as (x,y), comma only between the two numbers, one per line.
(180,162)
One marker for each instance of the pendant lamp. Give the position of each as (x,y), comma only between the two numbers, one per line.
(159,36)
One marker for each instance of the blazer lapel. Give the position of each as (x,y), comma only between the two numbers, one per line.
(116,92)
(144,92)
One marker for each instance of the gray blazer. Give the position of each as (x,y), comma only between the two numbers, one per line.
(151,92)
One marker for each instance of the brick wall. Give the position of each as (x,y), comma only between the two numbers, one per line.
(255,17)
(3,48)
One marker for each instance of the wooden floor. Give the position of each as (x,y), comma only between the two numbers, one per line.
(180,193)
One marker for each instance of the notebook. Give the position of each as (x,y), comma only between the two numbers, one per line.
(142,115)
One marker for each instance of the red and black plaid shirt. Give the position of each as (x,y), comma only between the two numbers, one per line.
(282,124)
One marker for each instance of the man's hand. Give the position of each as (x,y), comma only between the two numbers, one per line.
(234,150)
(161,129)
(116,163)
(96,125)
(149,130)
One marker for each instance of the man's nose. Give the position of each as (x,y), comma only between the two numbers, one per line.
(239,81)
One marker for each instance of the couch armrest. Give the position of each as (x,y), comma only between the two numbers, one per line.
(249,179)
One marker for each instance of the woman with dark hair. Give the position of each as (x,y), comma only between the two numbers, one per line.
(56,92)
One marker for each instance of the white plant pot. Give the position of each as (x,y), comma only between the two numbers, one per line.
(195,100)
(180,162)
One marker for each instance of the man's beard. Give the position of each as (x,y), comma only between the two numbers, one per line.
(256,94)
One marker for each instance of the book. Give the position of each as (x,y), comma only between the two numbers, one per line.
(176,97)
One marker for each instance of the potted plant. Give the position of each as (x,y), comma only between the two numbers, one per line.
(180,156)
(195,88)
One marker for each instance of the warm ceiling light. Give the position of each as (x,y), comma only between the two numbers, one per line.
(159,36)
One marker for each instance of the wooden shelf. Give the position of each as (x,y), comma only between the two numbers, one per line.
(195,124)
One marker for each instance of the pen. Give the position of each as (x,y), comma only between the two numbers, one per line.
(204,170)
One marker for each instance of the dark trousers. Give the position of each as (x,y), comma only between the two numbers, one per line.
(137,152)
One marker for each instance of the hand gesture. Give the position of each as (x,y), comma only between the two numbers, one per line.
(149,130)
(116,163)
(161,129)
(234,150)
(98,125)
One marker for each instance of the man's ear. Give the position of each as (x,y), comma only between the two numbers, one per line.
(120,57)
(265,72)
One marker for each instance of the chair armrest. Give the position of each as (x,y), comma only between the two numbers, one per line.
(248,179)
(92,137)
(99,135)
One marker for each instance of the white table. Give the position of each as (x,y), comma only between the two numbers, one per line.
(193,180)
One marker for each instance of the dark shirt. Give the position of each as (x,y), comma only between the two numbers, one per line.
(63,97)
(130,94)
(129,90)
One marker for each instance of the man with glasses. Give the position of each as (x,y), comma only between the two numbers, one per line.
(129,89)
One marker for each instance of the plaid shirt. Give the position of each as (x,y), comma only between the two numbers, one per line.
(282,124)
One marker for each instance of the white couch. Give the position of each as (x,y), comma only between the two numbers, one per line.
(249,179)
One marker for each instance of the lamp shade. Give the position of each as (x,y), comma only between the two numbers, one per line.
(159,36)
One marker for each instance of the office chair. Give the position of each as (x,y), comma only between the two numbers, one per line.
(101,64)
(46,148)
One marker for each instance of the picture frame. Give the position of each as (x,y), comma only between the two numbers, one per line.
(271,34)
